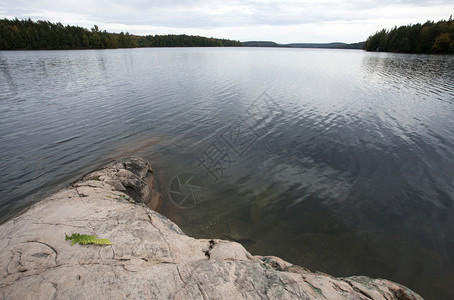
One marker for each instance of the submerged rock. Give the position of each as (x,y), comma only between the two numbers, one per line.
(151,258)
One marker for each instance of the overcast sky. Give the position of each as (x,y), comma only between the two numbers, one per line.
(282,21)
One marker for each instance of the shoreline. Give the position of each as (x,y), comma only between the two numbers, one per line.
(150,257)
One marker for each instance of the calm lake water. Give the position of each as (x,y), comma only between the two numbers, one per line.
(341,161)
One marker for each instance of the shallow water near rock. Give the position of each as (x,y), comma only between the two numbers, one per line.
(337,160)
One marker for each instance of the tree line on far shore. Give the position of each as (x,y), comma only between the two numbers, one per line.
(429,37)
(15,34)
(44,35)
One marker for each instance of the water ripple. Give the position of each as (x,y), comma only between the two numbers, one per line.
(354,159)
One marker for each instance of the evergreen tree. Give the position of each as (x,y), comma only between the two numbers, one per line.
(429,37)
(27,34)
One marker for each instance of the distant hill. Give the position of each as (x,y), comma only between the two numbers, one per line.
(359,45)
(261,44)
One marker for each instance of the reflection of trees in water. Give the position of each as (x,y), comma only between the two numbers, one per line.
(413,205)
(5,69)
(428,75)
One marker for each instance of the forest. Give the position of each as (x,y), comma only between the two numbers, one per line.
(44,35)
(429,37)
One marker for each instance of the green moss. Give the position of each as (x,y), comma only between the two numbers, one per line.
(84,239)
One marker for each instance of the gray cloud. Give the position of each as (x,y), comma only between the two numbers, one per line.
(211,15)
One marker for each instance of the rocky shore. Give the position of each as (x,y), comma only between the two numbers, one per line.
(151,258)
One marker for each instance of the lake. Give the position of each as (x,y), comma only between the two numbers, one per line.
(341,161)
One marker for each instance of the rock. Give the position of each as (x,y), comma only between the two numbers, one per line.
(151,258)
(133,175)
